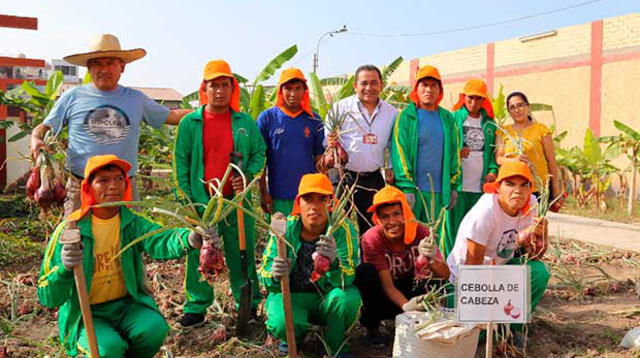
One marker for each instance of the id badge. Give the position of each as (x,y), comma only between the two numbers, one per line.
(370,138)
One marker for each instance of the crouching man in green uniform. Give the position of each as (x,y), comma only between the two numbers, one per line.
(126,319)
(332,301)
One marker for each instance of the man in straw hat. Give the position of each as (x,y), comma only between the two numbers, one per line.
(424,151)
(126,319)
(388,277)
(473,115)
(502,228)
(204,142)
(294,135)
(328,299)
(103,117)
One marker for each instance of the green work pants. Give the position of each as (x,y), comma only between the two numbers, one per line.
(337,310)
(199,292)
(125,328)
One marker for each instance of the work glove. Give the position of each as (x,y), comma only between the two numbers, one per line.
(72,254)
(414,304)
(411,199)
(278,224)
(427,248)
(195,239)
(326,247)
(453,200)
(280,267)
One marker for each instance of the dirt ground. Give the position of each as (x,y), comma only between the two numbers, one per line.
(591,303)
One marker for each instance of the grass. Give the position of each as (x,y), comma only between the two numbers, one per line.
(616,211)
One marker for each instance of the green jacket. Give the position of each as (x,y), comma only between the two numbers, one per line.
(404,152)
(56,285)
(489,128)
(188,165)
(342,271)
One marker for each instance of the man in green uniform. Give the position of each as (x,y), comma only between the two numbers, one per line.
(330,300)
(424,151)
(473,115)
(126,319)
(205,140)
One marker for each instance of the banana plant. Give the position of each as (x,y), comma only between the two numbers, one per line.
(628,142)
(29,98)
(592,163)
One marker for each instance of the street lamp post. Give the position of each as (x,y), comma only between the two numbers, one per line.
(315,55)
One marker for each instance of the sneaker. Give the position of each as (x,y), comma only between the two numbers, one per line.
(374,339)
(191,320)
(283,348)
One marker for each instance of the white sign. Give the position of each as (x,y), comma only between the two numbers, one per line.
(498,294)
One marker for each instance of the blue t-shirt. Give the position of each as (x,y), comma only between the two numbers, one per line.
(103,122)
(430,151)
(292,144)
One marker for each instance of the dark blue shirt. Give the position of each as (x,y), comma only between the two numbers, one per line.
(430,151)
(292,144)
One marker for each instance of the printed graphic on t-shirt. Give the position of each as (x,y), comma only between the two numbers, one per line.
(401,264)
(507,244)
(473,138)
(107,124)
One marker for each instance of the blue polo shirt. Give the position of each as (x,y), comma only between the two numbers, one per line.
(292,144)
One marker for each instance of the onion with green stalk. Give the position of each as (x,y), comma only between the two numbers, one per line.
(45,184)
(335,156)
(188,216)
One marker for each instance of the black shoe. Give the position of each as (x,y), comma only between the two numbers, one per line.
(191,320)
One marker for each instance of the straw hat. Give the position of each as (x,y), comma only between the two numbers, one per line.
(106,45)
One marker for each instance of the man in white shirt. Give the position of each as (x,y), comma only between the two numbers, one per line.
(502,223)
(365,137)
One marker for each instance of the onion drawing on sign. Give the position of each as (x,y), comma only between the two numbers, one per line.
(515,313)
(507,308)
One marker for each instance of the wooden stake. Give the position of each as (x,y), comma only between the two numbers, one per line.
(286,303)
(489,351)
(489,345)
(83,294)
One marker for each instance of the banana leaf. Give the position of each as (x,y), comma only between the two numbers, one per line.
(389,69)
(275,64)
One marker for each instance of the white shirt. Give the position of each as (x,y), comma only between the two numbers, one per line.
(365,157)
(487,224)
(472,165)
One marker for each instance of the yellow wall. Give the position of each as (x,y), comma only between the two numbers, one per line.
(621,31)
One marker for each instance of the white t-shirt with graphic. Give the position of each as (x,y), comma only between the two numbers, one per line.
(488,225)
(473,138)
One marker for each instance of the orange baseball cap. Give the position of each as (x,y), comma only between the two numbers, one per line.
(475,87)
(312,183)
(390,194)
(94,164)
(220,68)
(509,169)
(424,72)
(287,75)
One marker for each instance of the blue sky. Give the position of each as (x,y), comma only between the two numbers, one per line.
(181,36)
